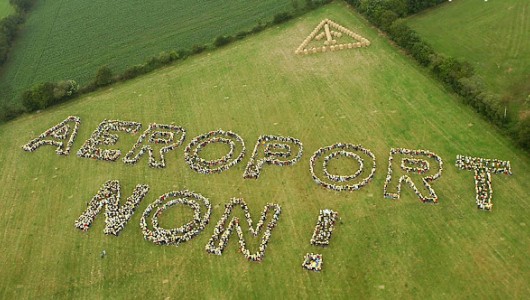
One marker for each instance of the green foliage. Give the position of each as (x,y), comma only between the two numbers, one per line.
(310,4)
(523,133)
(196,49)
(22,5)
(46,94)
(374,8)
(9,112)
(455,74)
(39,96)
(222,40)
(103,76)
(414,250)
(281,17)
(54,46)
(496,43)
(65,89)
(8,30)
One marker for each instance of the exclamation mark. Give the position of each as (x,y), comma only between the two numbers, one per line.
(321,237)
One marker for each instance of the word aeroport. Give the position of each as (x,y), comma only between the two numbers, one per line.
(417,168)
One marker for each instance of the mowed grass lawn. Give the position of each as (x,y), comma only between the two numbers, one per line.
(494,36)
(382,248)
(72,39)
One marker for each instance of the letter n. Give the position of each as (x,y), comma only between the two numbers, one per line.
(116,216)
(223,231)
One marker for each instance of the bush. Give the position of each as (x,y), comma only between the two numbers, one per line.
(8,112)
(281,17)
(522,133)
(196,49)
(22,5)
(132,72)
(65,89)
(46,94)
(103,76)
(38,96)
(258,28)
(222,40)
(241,35)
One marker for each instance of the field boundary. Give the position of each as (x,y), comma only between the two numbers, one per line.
(456,75)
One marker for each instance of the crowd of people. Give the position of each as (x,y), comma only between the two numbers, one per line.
(413,165)
(116,216)
(58,132)
(102,136)
(176,236)
(483,169)
(323,30)
(223,231)
(313,262)
(341,149)
(420,166)
(159,134)
(495,166)
(324,228)
(277,150)
(192,151)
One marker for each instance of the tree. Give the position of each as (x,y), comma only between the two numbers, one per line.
(64,89)
(281,17)
(522,133)
(222,40)
(39,96)
(103,76)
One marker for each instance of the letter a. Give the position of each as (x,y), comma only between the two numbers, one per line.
(57,136)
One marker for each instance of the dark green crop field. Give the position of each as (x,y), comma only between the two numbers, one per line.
(72,39)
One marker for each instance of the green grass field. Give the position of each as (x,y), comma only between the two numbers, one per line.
(72,39)
(384,248)
(494,36)
(5,8)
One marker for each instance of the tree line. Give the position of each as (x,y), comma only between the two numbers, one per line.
(458,76)
(46,94)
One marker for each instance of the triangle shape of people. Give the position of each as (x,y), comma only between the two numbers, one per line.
(330,36)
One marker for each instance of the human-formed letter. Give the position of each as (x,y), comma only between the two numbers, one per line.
(204,166)
(102,136)
(411,165)
(66,131)
(324,228)
(483,169)
(274,150)
(329,155)
(184,233)
(116,216)
(165,137)
(222,231)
